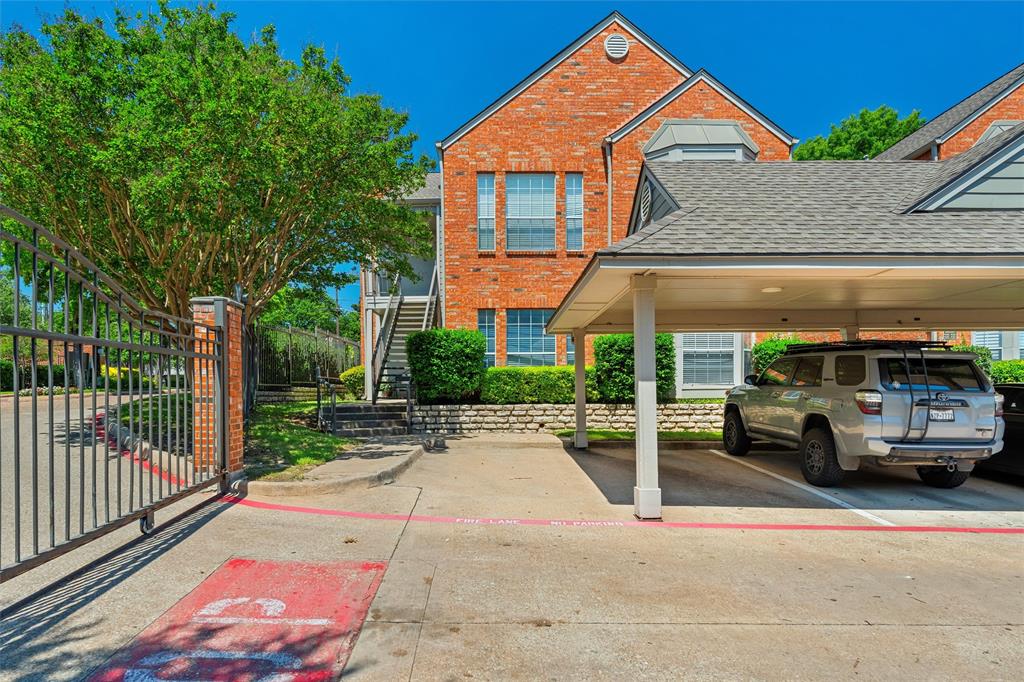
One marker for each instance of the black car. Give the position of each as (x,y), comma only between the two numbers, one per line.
(1011,459)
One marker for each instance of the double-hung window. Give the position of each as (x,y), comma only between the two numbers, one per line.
(485,211)
(485,323)
(530,211)
(708,359)
(991,340)
(574,211)
(525,340)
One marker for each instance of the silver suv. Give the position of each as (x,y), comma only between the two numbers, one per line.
(888,403)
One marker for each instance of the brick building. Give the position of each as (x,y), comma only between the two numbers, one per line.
(547,174)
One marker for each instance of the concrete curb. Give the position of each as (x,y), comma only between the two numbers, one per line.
(336,484)
(662,444)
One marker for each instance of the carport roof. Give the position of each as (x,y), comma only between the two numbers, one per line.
(821,208)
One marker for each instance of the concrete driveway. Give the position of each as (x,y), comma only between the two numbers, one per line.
(510,557)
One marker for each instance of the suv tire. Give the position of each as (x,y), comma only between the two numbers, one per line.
(940,477)
(734,437)
(818,461)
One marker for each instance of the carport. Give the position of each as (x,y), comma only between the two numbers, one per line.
(849,246)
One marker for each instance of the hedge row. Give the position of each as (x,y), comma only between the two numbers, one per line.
(25,375)
(447,366)
(1008,371)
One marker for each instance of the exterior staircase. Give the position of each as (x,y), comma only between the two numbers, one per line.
(396,364)
(366,420)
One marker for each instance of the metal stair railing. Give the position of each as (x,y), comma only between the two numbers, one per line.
(387,334)
(428,310)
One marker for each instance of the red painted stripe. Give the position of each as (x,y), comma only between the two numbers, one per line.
(613,524)
(101,432)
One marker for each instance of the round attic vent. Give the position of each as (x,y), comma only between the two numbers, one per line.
(616,46)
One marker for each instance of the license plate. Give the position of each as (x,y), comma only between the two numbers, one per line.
(941,415)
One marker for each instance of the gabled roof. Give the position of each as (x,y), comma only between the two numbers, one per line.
(614,17)
(819,208)
(430,193)
(702,76)
(951,121)
(952,171)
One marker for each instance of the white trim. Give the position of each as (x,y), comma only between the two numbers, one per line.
(960,183)
(942,139)
(701,76)
(612,18)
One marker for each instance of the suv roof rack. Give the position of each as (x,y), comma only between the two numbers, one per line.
(801,348)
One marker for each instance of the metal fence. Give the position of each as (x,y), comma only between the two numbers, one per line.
(286,357)
(124,407)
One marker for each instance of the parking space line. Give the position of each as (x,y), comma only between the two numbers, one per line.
(807,489)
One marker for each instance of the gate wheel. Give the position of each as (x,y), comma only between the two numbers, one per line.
(146,524)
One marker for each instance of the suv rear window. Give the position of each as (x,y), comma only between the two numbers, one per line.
(952,374)
(851,370)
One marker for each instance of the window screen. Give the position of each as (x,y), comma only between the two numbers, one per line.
(530,211)
(708,359)
(851,370)
(525,340)
(808,372)
(991,340)
(943,375)
(777,373)
(485,323)
(574,211)
(485,211)
(570,350)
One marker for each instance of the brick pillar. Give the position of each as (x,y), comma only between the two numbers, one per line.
(215,314)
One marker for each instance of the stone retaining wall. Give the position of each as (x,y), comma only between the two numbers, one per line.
(292,395)
(533,418)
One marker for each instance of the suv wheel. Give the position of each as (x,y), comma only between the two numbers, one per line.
(734,436)
(940,477)
(818,461)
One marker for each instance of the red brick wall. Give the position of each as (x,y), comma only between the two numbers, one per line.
(557,125)
(1010,108)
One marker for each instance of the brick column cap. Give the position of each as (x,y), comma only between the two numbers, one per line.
(209,300)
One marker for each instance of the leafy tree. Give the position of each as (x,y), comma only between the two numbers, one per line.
(308,308)
(860,136)
(185,161)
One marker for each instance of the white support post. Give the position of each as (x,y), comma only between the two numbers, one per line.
(579,339)
(646,493)
(368,276)
(850,332)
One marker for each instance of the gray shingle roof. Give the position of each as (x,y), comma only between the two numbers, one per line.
(948,119)
(729,208)
(958,165)
(430,192)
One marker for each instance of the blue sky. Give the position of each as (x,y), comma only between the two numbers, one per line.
(804,64)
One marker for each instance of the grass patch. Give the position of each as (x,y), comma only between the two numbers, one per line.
(283,442)
(598,435)
(700,401)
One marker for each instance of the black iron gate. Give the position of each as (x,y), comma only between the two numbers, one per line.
(108,411)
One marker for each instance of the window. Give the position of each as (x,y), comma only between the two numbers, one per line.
(991,340)
(485,211)
(485,323)
(708,359)
(570,350)
(851,370)
(574,211)
(530,212)
(943,375)
(525,340)
(808,372)
(778,373)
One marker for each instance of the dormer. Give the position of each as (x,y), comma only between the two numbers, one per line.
(699,139)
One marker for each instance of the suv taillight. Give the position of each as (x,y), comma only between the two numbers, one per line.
(869,402)
(1000,399)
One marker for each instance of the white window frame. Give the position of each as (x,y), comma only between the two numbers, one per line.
(737,364)
(548,338)
(490,352)
(509,217)
(571,216)
(485,211)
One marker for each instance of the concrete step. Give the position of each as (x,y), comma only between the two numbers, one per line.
(368,410)
(368,423)
(372,431)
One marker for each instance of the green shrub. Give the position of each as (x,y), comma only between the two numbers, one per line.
(447,365)
(984,355)
(1007,372)
(764,353)
(512,385)
(613,367)
(25,375)
(351,380)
